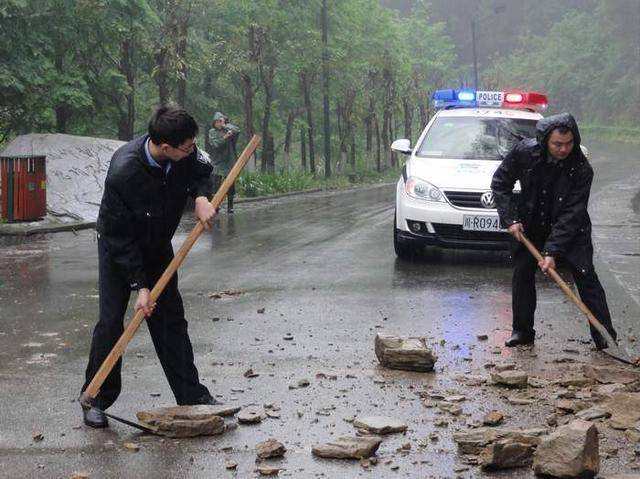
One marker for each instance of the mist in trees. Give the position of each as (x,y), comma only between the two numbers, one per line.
(98,67)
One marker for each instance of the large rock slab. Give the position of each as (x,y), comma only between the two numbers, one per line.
(511,379)
(270,448)
(475,440)
(379,424)
(570,451)
(624,409)
(186,421)
(507,453)
(407,353)
(348,448)
(611,375)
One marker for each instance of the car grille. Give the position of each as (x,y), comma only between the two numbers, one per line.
(465,199)
(455,232)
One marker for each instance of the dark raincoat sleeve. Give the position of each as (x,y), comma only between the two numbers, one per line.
(572,215)
(201,181)
(504,179)
(119,234)
(216,140)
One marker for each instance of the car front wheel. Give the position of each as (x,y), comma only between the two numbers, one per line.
(403,249)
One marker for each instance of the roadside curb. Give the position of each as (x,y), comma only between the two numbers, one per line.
(28,229)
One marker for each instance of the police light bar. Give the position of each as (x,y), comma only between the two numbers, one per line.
(469,98)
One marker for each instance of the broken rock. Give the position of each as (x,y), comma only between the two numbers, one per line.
(472,442)
(506,454)
(570,451)
(379,424)
(250,415)
(624,409)
(270,448)
(492,418)
(512,379)
(187,421)
(407,353)
(611,375)
(348,448)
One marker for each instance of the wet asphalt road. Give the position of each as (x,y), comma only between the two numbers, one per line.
(322,267)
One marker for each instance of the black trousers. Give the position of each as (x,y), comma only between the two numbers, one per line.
(524,295)
(167,326)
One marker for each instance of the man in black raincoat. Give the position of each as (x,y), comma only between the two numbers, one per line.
(145,193)
(551,209)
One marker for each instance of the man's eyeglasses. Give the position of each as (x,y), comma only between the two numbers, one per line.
(188,150)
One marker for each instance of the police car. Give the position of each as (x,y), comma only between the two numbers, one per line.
(444,197)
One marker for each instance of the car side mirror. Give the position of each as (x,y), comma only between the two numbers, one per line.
(402,146)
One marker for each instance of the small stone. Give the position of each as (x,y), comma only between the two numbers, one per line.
(482,337)
(38,436)
(303,383)
(348,448)
(80,475)
(270,448)
(261,311)
(268,470)
(505,367)
(593,413)
(512,379)
(519,401)
(131,446)
(230,465)
(379,424)
(406,353)
(250,416)
(506,454)
(249,373)
(492,418)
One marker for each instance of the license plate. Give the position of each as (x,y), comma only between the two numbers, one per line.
(489,98)
(481,223)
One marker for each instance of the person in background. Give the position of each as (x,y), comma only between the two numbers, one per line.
(222,139)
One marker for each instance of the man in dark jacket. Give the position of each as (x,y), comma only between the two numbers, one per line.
(145,193)
(551,209)
(223,137)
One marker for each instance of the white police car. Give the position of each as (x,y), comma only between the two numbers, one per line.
(444,197)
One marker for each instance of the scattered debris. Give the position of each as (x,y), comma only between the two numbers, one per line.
(270,448)
(38,436)
(249,373)
(232,292)
(268,470)
(407,353)
(187,421)
(492,418)
(250,415)
(379,424)
(509,378)
(348,448)
(570,451)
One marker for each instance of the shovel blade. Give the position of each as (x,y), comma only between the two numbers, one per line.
(612,349)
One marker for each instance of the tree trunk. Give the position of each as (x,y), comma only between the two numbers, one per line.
(386,127)
(162,75)
(423,116)
(352,158)
(325,91)
(247,95)
(287,138)
(378,156)
(305,83)
(182,28)
(268,160)
(61,110)
(408,117)
(126,121)
(303,150)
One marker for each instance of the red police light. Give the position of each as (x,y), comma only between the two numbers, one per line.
(526,99)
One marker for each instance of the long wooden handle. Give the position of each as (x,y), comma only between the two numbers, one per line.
(118,349)
(565,287)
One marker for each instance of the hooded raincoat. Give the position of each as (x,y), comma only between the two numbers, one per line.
(569,222)
(222,150)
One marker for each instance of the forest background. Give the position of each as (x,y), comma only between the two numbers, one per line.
(99,67)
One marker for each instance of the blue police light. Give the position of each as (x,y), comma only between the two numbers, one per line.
(445,98)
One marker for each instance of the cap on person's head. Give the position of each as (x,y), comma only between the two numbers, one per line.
(218,116)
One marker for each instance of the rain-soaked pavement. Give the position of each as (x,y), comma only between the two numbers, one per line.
(322,267)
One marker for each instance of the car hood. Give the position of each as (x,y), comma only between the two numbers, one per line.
(454,174)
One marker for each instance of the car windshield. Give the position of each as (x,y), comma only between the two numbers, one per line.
(466,138)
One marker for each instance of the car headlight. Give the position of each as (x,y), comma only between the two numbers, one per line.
(422,190)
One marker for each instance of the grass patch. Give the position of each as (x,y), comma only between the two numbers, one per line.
(250,185)
(611,134)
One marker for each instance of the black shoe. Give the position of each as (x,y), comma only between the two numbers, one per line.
(94,418)
(518,338)
(230,211)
